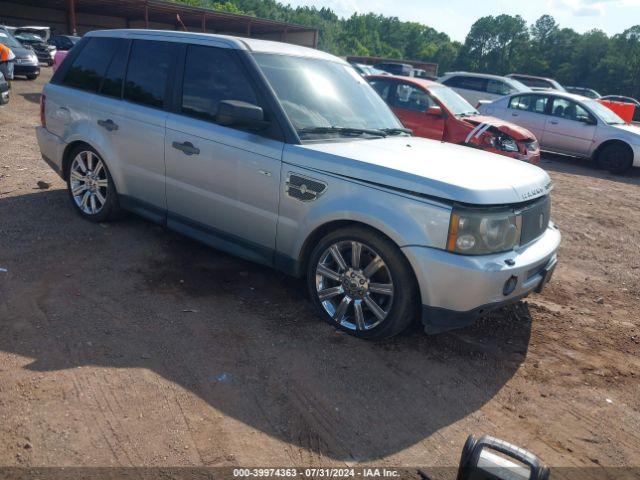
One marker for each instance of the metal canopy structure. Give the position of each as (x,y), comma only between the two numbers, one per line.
(85,15)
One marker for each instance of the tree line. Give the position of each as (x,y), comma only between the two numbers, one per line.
(499,44)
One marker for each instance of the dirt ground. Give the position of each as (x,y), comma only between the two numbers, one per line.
(124,344)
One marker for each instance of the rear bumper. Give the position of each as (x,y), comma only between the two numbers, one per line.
(457,289)
(52,149)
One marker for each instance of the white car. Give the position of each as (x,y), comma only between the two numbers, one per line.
(474,87)
(572,125)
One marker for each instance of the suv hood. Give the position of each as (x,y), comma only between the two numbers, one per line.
(428,167)
(514,131)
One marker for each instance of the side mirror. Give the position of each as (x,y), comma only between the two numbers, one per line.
(236,113)
(434,111)
(590,121)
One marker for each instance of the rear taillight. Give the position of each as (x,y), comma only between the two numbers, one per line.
(43,118)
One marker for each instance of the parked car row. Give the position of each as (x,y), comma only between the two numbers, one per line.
(286,156)
(517,121)
(33,46)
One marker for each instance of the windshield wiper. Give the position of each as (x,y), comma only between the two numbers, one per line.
(397,131)
(344,130)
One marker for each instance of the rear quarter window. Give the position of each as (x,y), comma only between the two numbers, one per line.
(88,68)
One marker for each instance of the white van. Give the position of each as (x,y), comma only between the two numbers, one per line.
(474,87)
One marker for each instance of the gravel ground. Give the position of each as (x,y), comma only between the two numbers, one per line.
(124,344)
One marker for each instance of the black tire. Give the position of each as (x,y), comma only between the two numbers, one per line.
(110,209)
(615,157)
(32,77)
(401,306)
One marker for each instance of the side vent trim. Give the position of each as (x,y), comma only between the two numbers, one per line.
(304,188)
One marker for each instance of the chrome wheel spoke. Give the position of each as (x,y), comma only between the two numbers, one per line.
(78,189)
(381,288)
(103,183)
(379,313)
(328,293)
(328,273)
(92,201)
(337,256)
(90,160)
(98,168)
(356,251)
(81,164)
(357,306)
(75,175)
(85,199)
(342,309)
(100,198)
(376,264)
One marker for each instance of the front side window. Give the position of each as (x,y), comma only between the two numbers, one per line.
(90,65)
(149,65)
(212,75)
(569,110)
(320,94)
(412,98)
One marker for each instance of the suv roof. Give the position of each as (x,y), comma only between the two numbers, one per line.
(238,43)
(473,74)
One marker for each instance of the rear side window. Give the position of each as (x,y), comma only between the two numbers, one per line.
(89,66)
(148,72)
(114,77)
(211,75)
(531,103)
(467,83)
(498,87)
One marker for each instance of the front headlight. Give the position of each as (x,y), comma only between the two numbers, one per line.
(479,232)
(33,58)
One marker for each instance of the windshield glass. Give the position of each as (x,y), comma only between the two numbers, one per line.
(29,37)
(454,102)
(604,113)
(320,93)
(9,41)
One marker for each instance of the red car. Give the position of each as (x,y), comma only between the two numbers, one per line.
(433,110)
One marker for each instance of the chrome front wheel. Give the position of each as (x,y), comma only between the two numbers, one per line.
(354,285)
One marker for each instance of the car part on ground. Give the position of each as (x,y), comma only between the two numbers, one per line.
(435,111)
(292,161)
(573,125)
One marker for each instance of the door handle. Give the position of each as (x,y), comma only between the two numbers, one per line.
(187,148)
(108,124)
(514,114)
(553,122)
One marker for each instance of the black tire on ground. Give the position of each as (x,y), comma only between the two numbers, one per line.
(615,157)
(405,301)
(111,208)
(32,77)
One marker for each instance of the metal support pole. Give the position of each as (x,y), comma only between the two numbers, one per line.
(249,28)
(73,27)
(204,23)
(146,16)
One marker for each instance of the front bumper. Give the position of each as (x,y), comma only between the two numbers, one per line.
(530,156)
(26,69)
(457,289)
(52,149)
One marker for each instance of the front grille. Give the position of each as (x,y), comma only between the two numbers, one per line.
(535,219)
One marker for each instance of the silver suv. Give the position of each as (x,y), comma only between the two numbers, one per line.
(284,155)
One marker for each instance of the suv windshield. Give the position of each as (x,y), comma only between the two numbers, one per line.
(322,97)
(454,102)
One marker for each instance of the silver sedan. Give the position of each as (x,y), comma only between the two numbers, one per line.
(572,125)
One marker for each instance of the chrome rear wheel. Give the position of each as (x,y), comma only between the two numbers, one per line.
(89,182)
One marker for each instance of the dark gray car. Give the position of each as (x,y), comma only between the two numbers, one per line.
(26,61)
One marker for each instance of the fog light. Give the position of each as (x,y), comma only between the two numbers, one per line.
(510,285)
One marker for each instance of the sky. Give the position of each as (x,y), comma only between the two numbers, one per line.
(455,17)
